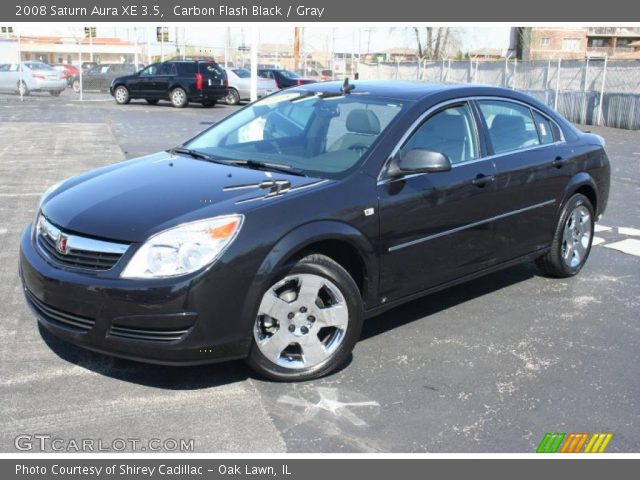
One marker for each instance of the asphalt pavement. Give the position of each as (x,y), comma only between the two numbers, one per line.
(488,366)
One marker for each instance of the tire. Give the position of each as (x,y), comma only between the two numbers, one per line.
(55,93)
(572,239)
(23,89)
(121,94)
(321,328)
(179,97)
(233,97)
(209,103)
(152,101)
(76,86)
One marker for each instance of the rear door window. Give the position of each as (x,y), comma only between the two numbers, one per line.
(511,126)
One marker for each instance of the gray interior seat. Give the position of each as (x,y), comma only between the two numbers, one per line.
(362,125)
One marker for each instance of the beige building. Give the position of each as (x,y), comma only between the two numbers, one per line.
(55,49)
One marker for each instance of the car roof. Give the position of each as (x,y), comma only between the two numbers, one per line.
(409,90)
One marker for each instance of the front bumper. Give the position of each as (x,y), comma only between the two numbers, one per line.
(172,322)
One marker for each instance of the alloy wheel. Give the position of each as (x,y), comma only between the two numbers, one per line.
(301,321)
(576,236)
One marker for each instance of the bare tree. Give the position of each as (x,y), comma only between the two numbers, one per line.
(433,42)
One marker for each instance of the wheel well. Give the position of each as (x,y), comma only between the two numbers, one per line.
(343,253)
(590,193)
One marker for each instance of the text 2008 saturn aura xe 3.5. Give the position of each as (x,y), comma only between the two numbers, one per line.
(274,233)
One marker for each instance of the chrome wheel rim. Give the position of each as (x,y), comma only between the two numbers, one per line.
(576,237)
(232,97)
(121,95)
(302,320)
(178,97)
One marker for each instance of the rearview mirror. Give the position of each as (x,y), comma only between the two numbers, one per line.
(419,160)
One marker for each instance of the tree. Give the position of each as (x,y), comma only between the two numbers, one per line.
(434,43)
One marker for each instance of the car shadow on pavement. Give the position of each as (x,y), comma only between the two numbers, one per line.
(157,376)
(447,298)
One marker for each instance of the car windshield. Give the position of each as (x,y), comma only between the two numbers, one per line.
(324,135)
(289,74)
(242,72)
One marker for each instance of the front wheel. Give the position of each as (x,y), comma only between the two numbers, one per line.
(571,240)
(179,98)
(121,94)
(308,321)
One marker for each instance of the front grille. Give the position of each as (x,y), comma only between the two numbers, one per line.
(60,317)
(147,334)
(79,258)
(80,252)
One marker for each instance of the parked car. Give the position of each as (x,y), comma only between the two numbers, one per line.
(284,78)
(180,82)
(86,66)
(68,71)
(274,233)
(35,77)
(99,77)
(240,85)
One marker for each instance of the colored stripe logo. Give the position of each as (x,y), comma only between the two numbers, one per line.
(574,442)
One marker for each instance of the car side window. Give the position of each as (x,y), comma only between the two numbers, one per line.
(4,67)
(510,125)
(546,129)
(450,131)
(149,71)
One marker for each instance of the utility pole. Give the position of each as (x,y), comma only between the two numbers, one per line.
(296,48)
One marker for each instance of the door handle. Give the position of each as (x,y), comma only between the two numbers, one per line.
(482,180)
(559,162)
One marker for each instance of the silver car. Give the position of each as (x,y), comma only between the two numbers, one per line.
(35,77)
(240,85)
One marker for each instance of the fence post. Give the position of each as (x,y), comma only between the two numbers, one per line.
(475,75)
(449,70)
(586,75)
(470,76)
(442,72)
(515,73)
(506,71)
(80,68)
(604,79)
(397,68)
(555,101)
(548,77)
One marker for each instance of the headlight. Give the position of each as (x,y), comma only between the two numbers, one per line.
(183,249)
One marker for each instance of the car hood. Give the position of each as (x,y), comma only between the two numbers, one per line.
(131,201)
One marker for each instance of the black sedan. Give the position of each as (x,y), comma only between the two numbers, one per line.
(274,233)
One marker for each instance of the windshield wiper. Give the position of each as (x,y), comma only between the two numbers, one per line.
(197,154)
(278,167)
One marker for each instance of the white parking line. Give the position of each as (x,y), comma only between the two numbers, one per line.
(597,241)
(602,228)
(629,231)
(630,246)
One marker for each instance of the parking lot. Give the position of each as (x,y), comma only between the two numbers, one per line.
(488,366)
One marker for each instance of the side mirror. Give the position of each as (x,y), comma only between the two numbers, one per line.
(419,160)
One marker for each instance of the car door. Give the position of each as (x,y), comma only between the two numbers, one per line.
(4,77)
(142,85)
(436,227)
(529,157)
(163,80)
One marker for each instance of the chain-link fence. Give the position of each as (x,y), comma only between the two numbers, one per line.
(594,92)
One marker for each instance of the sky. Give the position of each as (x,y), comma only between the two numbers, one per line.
(338,39)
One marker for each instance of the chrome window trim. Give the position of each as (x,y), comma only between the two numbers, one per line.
(418,122)
(470,225)
(76,242)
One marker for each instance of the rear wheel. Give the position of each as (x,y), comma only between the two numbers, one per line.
(571,240)
(121,94)
(152,101)
(308,321)
(76,86)
(233,97)
(179,98)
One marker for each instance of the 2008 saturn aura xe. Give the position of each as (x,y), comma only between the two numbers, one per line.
(274,233)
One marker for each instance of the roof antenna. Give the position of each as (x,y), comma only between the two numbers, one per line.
(346,87)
